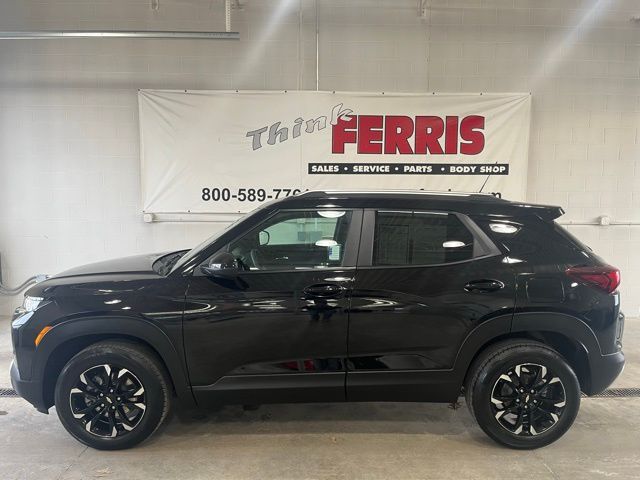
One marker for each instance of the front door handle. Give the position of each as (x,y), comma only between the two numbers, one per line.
(484,285)
(324,290)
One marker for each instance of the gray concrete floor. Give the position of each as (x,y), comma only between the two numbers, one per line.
(337,441)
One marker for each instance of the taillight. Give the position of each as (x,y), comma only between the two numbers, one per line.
(604,277)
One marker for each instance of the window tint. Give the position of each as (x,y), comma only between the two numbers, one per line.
(295,240)
(537,237)
(416,238)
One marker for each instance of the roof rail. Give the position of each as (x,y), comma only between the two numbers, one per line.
(405,191)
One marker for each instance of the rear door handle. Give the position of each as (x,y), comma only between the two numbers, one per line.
(484,285)
(323,290)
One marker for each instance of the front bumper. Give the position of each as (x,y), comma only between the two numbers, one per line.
(30,391)
(604,370)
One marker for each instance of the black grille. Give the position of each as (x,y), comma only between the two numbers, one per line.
(8,392)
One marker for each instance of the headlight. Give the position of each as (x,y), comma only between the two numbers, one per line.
(24,312)
(31,303)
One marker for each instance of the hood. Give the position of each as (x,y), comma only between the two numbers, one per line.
(134,264)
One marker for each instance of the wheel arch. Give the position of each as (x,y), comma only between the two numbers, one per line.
(68,338)
(568,335)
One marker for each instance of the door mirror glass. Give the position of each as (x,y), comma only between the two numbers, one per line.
(264,237)
(222,264)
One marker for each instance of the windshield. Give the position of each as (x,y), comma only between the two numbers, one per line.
(199,248)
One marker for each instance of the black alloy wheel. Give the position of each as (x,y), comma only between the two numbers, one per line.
(522,393)
(113,394)
(528,399)
(108,400)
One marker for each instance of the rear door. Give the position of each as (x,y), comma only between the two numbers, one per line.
(425,280)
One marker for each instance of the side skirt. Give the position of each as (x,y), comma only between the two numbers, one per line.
(273,388)
(403,386)
(371,386)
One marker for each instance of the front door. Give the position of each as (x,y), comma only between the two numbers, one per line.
(425,280)
(276,330)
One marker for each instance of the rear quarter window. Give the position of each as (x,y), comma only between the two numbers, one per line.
(538,241)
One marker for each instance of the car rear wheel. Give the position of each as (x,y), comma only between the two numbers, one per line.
(523,394)
(113,395)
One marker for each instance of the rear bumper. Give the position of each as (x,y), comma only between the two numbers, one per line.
(604,370)
(30,391)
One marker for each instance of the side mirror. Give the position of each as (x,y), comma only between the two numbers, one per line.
(221,265)
(263,237)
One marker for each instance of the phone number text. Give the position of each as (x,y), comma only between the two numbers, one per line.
(217,194)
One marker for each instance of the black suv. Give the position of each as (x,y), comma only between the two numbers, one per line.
(329,297)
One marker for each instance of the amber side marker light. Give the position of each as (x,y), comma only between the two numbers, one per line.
(41,335)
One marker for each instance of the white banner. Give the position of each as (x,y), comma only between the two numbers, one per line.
(226,152)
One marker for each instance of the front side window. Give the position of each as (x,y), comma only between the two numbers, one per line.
(420,238)
(306,239)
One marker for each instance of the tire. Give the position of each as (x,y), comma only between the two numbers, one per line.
(139,402)
(498,393)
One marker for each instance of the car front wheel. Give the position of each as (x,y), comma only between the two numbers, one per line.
(112,395)
(523,394)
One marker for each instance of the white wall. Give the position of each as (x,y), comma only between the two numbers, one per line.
(69,174)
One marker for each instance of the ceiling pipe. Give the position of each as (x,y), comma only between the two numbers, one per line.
(7,291)
(45,35)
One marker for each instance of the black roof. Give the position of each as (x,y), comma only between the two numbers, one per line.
(473,203)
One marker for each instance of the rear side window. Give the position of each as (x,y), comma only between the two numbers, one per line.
(420,238)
